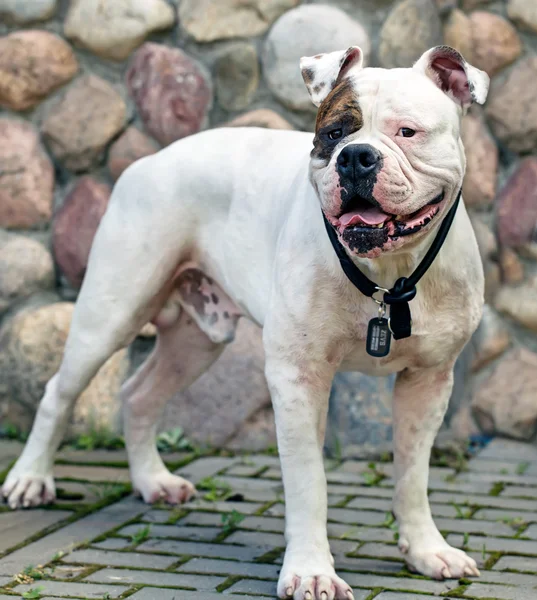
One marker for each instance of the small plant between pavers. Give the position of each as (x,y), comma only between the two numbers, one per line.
(373,476)
(141,535)
(216,489)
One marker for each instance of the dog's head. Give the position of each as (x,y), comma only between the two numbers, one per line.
(388,161)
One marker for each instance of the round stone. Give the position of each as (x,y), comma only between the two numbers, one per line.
(237,76)
(80,125)
(172,92)
(210,20)
(75,224)
(479,186)
(306,31)
(21,12)
(32,64)
(261,117)
(412,27)
(26,266)
(520,303)
(516,206)
(523,13)
(128,148)
(114,28)
(31,349)
(26,177)
(511,106)
(495,42)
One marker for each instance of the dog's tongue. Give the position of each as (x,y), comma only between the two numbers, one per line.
(370,216)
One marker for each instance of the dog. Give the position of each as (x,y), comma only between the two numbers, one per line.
(230,223)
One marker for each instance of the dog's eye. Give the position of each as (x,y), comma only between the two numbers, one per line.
(406,132)
(335,134)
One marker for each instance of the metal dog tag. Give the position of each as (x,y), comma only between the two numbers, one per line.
(378,337)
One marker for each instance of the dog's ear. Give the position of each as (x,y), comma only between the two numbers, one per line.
(447,68)
(322,72)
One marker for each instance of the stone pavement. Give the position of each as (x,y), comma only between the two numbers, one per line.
(99,542)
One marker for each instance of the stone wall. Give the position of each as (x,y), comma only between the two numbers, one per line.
(88,87)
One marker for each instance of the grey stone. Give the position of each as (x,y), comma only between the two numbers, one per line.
(84,590)
(368,565)
(25,267)
(135,560)
(356,517)
(114,28)
(246,508)
(523,13)
(253,586)
(201,549)
(197,534)
(112,544)
(237,76)
(251,538)
(499,592)
(168,594)
(511,450)
(16,527)
(210,20)
(379,550)
(370,503)
(399,583)
(491,544)
(516,563)
(516,491)
(398,596)
(27,11)
(306,31)
(493,528)
(412,27)
(229,567)
(176,580)
(83,530)
(492,501)
(206,467)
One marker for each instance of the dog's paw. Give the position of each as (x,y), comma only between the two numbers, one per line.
(26,490)
(163,486)
(303,577)
(438,560)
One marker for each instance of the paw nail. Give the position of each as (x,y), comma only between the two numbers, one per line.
(289,592)
(324,596)
(350,595)
(307,596)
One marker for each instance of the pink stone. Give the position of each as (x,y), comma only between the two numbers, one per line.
(172,93)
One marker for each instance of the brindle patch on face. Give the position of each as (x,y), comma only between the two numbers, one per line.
(308,75)
(339,110)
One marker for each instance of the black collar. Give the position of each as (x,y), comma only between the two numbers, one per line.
(404,289)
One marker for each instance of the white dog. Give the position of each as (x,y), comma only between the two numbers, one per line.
(229,222)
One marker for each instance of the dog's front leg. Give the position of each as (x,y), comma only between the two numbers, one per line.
(420,402)
(300,391)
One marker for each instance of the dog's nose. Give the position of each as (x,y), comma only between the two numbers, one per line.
(357,161)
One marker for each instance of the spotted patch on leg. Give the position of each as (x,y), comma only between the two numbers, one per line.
(207,304)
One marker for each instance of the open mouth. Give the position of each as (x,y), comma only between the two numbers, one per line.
(364,217)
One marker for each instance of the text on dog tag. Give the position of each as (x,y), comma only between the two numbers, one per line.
(378,337)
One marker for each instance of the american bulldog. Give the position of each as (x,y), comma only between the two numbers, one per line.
(230,223)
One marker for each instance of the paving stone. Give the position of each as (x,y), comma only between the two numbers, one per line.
(84,473)
(245,508)
(112,544)
(494,466)
(83,590)
(518,491)
(15,527)
(508,578)
(494,514)
(495,544)
(253,586)
(531,532)
(361,534)
(206,467)
(367,565)
(399,596)
(244,470)
(443,510)
(498,592)
(476,478)
(157,516)
(250,538)
(105,558)
(509,450)
(228,567)
(167,594)
(356,517)
(200,549)
(516,563)
(88,528)
(202,534)
(400,583)
(379,550)
(489,501)
(179,580)
(4,580)
(371,504)
(471,526)
(205,519)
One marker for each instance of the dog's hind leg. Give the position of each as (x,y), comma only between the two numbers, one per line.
(193,329)
(129,276)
